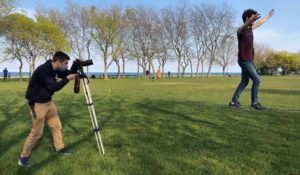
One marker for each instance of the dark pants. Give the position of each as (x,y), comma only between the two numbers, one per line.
(248,71)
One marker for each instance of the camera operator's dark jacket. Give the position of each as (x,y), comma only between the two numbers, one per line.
(43,82)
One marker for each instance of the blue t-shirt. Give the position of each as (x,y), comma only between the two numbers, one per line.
(5,71)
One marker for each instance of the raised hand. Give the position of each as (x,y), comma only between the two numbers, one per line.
(271,13)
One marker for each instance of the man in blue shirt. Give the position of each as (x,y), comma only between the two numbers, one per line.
(5,73)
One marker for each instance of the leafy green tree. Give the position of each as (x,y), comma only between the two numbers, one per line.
(289,62)
(35,39)
(104,34)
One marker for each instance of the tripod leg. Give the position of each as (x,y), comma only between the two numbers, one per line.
(89,101)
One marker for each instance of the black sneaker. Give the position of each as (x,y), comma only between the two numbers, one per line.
(258,106)
(65,151)
(24,161)
(234,104)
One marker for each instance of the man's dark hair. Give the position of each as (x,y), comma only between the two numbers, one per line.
(61,56)
(248,13)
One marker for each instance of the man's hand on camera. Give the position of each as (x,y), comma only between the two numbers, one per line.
(71,76)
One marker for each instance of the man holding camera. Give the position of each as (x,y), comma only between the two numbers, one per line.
(42,85)
(246,56)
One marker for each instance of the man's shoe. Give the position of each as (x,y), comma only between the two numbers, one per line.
(65,151)
(258,106)
(24,161)
(234,104)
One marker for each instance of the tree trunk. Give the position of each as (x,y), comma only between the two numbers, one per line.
(179,65)
(223,69)
(197,69)
(123,64)
(138,69)
(210,65)
(162,70)
(119,70)
(105,66)
(153,69)
(191,69)
(202,67)
(20,71)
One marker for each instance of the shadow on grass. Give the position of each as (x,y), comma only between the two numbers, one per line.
(12,119)
(216,132)
(182,137)
(279,91)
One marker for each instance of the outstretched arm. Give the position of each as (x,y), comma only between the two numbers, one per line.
(263,20)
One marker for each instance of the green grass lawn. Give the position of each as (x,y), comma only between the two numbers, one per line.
(164,127)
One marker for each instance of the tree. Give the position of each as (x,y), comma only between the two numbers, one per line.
(198,37)
(104,34)
(6,7)
(187,60)
(132,40)
(78,21)
(147,35)
(15,52)
(289,62)
(119,49)
(227,54)
(163,50)
(264,59)
(36,39)
(217,27)
(177,31)
(17,30)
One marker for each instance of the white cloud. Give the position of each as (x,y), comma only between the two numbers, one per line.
(26,11)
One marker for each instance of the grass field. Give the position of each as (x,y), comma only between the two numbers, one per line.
(164,127)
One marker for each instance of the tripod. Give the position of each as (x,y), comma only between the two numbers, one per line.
(89,101)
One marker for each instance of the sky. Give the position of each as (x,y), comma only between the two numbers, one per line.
(281,32)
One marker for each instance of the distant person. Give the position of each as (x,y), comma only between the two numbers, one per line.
(5,73)
(246,56)
(147,73)
(169,74)
(158,74)
(42,86)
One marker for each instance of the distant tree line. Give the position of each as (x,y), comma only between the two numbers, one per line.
(191,36)
(269,62)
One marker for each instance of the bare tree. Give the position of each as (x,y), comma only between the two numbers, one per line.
(131,37)
(78,21)
(227,54)
(176,26)
(198,37)
(148,35)
(217,26)
(163,49)
(187,60)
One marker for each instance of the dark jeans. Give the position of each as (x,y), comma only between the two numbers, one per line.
(248,71)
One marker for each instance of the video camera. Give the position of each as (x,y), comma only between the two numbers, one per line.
(86,63)
(78,65)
